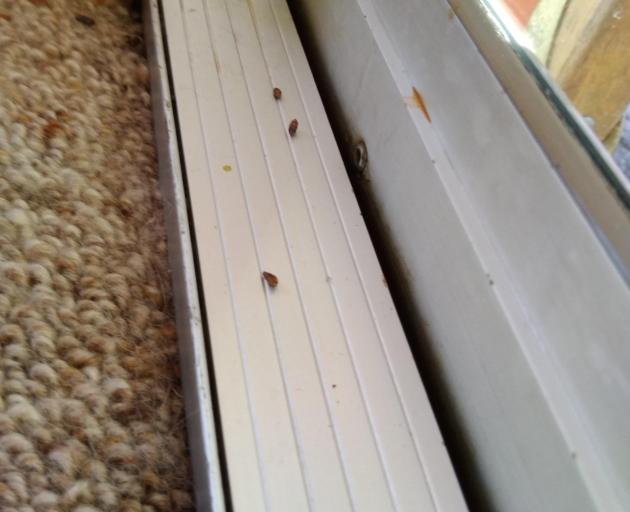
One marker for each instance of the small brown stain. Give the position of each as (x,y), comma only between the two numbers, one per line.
(227,168)
(51,129)
(293,126)
(271,279)
(277,93)
(23,118)
(451,14)
(74,82)
(418,101)
(5,16)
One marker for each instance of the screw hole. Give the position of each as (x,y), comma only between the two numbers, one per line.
(360,157)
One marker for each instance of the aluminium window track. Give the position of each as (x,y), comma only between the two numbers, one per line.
(301,390)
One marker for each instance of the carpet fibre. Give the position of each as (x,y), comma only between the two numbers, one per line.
(91,414)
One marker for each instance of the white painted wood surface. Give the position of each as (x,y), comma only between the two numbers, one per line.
(320,401)
(526,314)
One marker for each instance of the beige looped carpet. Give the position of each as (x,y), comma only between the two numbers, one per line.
(91,414)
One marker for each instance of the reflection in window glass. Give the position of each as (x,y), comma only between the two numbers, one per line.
(585,45)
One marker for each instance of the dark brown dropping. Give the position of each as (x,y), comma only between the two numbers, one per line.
(86,20)
(293,126)
(277,93)
(271,279)
(134,41)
